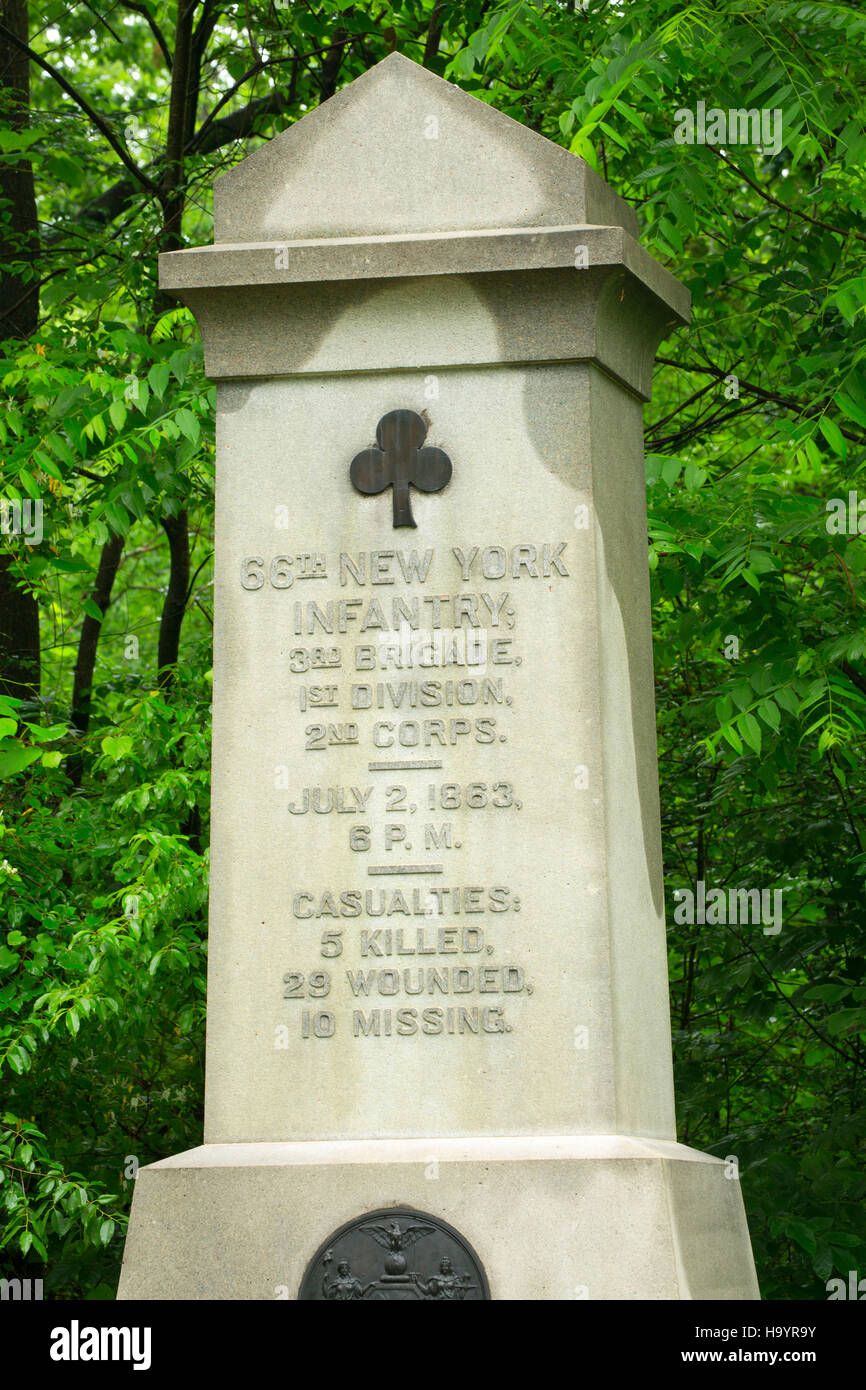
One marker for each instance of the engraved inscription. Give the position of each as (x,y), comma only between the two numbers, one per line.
(408,682)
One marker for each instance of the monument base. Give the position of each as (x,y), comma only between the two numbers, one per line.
(600,1216)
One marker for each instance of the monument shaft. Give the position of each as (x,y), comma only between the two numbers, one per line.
(430,854)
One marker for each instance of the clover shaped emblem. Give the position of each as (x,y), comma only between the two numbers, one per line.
(400,461)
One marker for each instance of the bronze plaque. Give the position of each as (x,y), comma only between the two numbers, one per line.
(396,1253)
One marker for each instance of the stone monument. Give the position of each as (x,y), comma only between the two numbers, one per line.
(438,1046)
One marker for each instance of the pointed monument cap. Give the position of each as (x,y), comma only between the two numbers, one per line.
(402,177)
(401,151)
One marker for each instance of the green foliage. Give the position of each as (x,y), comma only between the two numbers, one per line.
(758,420)
(102,978)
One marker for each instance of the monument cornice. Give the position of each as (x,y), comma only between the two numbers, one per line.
(579,293)
(320,259)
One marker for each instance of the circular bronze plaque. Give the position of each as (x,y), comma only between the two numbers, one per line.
(396,1253)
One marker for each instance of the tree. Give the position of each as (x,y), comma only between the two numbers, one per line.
(19,312)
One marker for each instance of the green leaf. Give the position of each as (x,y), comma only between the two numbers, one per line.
(188,425)
(29,483)
(828,994)
(464,63)
(801,1232)
(833,436)
(39,1245)
(822,1263)
(694,477)
(38,734)
(158,378)
(63,169)
(769,712)
(854,411)
(751,731)
(13,760)
(47,464)
(846,1021)
(139,394)
(844,1239)
(117,746)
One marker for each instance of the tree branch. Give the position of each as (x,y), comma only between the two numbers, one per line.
(154,27)
(332,63)
(102,20)
(808,411)
(434,35)
(20,660)
(226,96)
(791,212)
(200,40)
(99,121)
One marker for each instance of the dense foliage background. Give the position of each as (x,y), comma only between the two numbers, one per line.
(116,118)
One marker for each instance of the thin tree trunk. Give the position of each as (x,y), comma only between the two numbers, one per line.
(200,39)
(171,190)
(19,636)
(88,642)
(184,76)
(332,64)
(85,663)
(19,228)
(174,608)
(19,316)
(434,35)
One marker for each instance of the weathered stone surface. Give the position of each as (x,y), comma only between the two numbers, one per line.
(529,446)
(600,1218)
(402,151)
(436,253)
(601,315)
